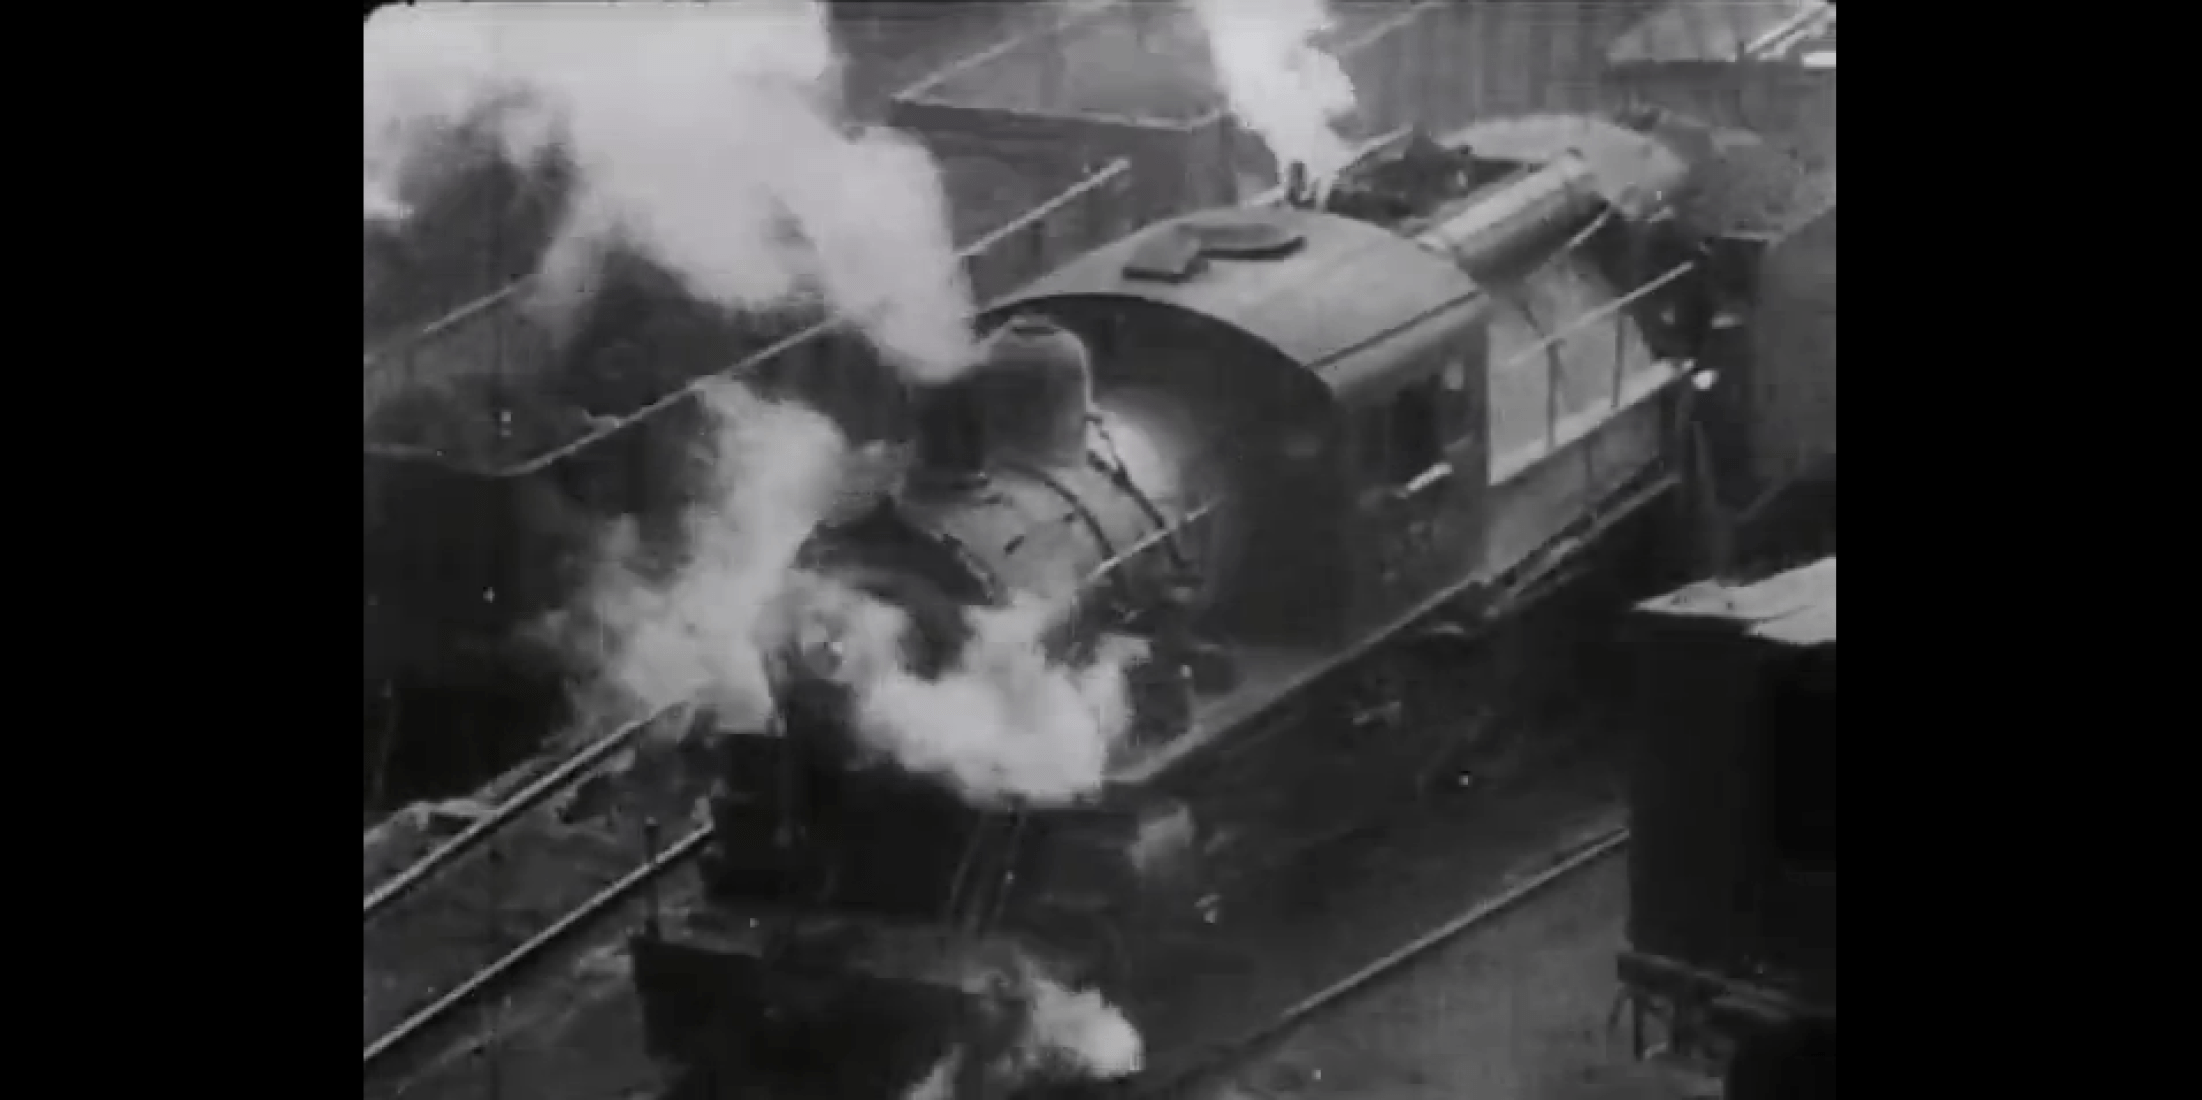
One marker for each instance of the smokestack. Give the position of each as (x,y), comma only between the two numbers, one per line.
(1038,380)
(951,437)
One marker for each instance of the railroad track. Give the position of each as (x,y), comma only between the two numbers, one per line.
(459,925)
(1213,1077)
(1216,1073)
(1533,825)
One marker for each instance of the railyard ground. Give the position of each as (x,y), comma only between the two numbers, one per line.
(1512,1010)
(1516,1011)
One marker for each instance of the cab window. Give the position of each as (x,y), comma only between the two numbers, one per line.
(1403,436)
(1417,436)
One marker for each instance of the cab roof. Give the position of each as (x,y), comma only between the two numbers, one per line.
(1323,291)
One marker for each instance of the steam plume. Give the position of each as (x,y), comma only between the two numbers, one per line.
(1006,722)
(383,206)
(1068,1035)
(705,137)
(1279,83)
(1083,1034)
(701,635)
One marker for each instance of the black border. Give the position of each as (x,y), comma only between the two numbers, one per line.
(211,657)
(185,506)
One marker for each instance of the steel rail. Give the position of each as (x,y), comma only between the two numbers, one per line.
(421,1021)
(565,775)
(1208,1074)
(1238,1051)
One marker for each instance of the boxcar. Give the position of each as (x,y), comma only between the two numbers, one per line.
(1731,930)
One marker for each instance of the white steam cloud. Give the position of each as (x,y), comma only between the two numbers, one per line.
(705,137)
(1279,82)
(701,635)
(1083,1033)
(383,206)
(1006,722)
(1067,1035)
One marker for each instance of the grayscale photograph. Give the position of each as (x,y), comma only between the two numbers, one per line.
(1099,550)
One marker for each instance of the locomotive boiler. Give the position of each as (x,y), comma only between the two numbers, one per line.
(1293,448)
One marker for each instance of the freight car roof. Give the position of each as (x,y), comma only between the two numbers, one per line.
(1723,31)
(1796,608)
(1347,285)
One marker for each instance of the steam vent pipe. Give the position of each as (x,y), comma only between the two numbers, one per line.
(1530,216)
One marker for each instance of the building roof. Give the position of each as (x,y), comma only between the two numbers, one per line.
(1794,608)
(1727,31)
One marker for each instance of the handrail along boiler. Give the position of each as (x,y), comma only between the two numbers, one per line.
(1284,443)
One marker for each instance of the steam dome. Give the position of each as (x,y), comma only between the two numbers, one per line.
(1039,378)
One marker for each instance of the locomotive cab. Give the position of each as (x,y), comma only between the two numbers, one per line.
(1418,464)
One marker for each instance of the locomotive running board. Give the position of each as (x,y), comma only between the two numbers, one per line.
(1275,675)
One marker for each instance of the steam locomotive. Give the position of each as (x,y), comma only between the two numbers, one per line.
(1304,450)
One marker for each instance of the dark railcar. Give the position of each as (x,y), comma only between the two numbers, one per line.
(1731,931)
